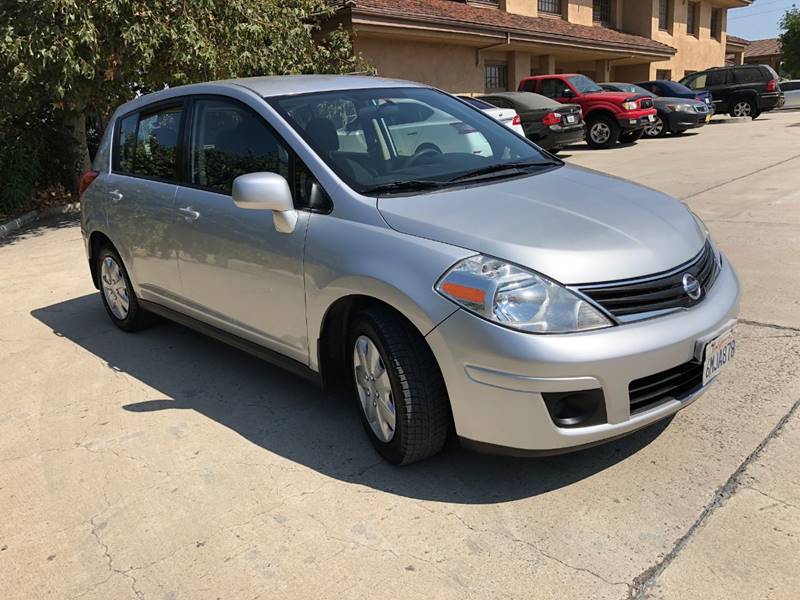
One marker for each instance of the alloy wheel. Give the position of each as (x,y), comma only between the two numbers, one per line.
(742,109)
(656,128)
(374,389)
(600,133)
(114,287)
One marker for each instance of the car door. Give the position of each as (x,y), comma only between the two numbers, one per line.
(238,272)
(720,84)
(141,197)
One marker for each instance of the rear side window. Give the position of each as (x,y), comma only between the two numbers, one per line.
(529,85)
(229,140)
(722,77)
(147,144)
(698,82)
(749,75)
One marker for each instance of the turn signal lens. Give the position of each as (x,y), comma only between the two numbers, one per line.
(86,180)
(517,298)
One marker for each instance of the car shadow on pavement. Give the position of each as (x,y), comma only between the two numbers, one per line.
(292,418)
(40,227)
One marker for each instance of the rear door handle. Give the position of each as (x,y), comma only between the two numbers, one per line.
(189,214)
(115,196)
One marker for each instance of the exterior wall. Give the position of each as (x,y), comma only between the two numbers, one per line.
(632,73)
(579,11)
(528,8)
(446,66)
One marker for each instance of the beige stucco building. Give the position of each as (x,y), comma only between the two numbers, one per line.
(475,46)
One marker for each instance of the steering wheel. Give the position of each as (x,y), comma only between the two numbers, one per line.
(422,152)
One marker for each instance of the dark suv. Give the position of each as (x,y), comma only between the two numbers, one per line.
(741,91)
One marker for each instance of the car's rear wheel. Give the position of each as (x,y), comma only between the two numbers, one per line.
(401,394)
(119,299)
(744,108)
(631,136)
(657,129)
(602,132)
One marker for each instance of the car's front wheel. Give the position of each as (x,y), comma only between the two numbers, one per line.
(603,132)
(119,299)
(657,128)
(401,394)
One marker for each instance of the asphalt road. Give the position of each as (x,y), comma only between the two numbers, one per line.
(166,465)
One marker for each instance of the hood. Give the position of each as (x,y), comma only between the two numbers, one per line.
(617,97)
(572,224)
(664,100)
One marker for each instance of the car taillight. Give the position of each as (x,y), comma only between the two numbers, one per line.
(551,119)
(86,180)
(516,120)
(698,97)
(772,85)
(462,128)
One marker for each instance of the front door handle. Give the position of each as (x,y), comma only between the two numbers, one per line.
(115,196)
(189,214)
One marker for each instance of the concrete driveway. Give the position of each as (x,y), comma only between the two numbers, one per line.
(166,465)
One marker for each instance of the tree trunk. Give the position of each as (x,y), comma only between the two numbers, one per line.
(75,125)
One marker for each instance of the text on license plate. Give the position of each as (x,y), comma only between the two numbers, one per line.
(718,353)
(571,118)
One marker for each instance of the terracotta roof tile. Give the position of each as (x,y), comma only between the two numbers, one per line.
(766,47)
(457,12)
(737,40)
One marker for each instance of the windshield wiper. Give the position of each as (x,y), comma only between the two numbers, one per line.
(499,168)
(411,185)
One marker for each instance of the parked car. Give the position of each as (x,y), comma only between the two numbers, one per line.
(673,89)
(674,115)
(519,301)
(610,116)
(506,115)
(550,124)
(791,92)
(741,91)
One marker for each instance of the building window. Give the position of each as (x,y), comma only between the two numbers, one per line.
(663,14)
(716,23)
(664,75)
(551,7)
(495,77)
(601,12)
(693,19)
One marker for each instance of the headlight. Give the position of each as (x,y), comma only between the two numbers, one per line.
(517,298)
(681,107)
(630,105)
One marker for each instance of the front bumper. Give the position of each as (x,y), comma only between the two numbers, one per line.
(634,120)
(680,120)
(495,376)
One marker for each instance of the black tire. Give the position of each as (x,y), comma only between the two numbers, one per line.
(136,318)
(555,151)
(597,141)
(630,137)
(679,131)
(744,107)
(421,405)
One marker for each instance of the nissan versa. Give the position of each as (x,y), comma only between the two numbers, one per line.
(454,276)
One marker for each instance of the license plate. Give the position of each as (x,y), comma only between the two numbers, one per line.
(572,119)
(708,118)
(651,118)
(718,353)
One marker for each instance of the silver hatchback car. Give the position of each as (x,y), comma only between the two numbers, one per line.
(391,239)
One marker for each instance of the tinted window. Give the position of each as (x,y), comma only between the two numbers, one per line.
(409,112)
(553,88)
(229,140)
(353,131)
(721,77)
(698,82)
(748,75)
(673,87)
(502,103)
(476,103)
(147,144)
(529,85)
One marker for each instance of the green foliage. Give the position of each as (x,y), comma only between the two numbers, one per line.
(76,57)
(790,41)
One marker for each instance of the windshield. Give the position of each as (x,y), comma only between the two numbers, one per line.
(677,88)
(632,88)
(477,103)
(395,136)
(584,85)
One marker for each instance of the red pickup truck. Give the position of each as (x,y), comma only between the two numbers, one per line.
(610,116)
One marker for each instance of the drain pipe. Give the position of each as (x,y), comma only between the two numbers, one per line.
(500,45)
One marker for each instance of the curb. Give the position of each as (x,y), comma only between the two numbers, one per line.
(34,215)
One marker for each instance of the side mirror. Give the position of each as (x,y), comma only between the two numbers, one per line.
(267,191)
(568,93)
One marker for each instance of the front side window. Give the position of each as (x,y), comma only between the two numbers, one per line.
(664,21)
(229,140)
(584,85)
(495,77)
(367,138)
(147,144)
(552,7)
(601,12)
(553,88)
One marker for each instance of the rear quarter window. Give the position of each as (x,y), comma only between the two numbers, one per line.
(749,75)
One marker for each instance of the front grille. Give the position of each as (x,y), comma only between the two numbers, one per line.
(658,292)
(646,103)
(678,383)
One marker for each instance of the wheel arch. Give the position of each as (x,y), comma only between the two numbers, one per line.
(97,240)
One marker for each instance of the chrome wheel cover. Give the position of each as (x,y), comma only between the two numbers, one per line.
(600,132)
(655,129)
(374,389)
(114,288)
(742,109)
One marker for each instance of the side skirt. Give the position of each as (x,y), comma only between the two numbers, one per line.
(270,356)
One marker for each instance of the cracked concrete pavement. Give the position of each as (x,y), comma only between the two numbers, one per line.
(166,465)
